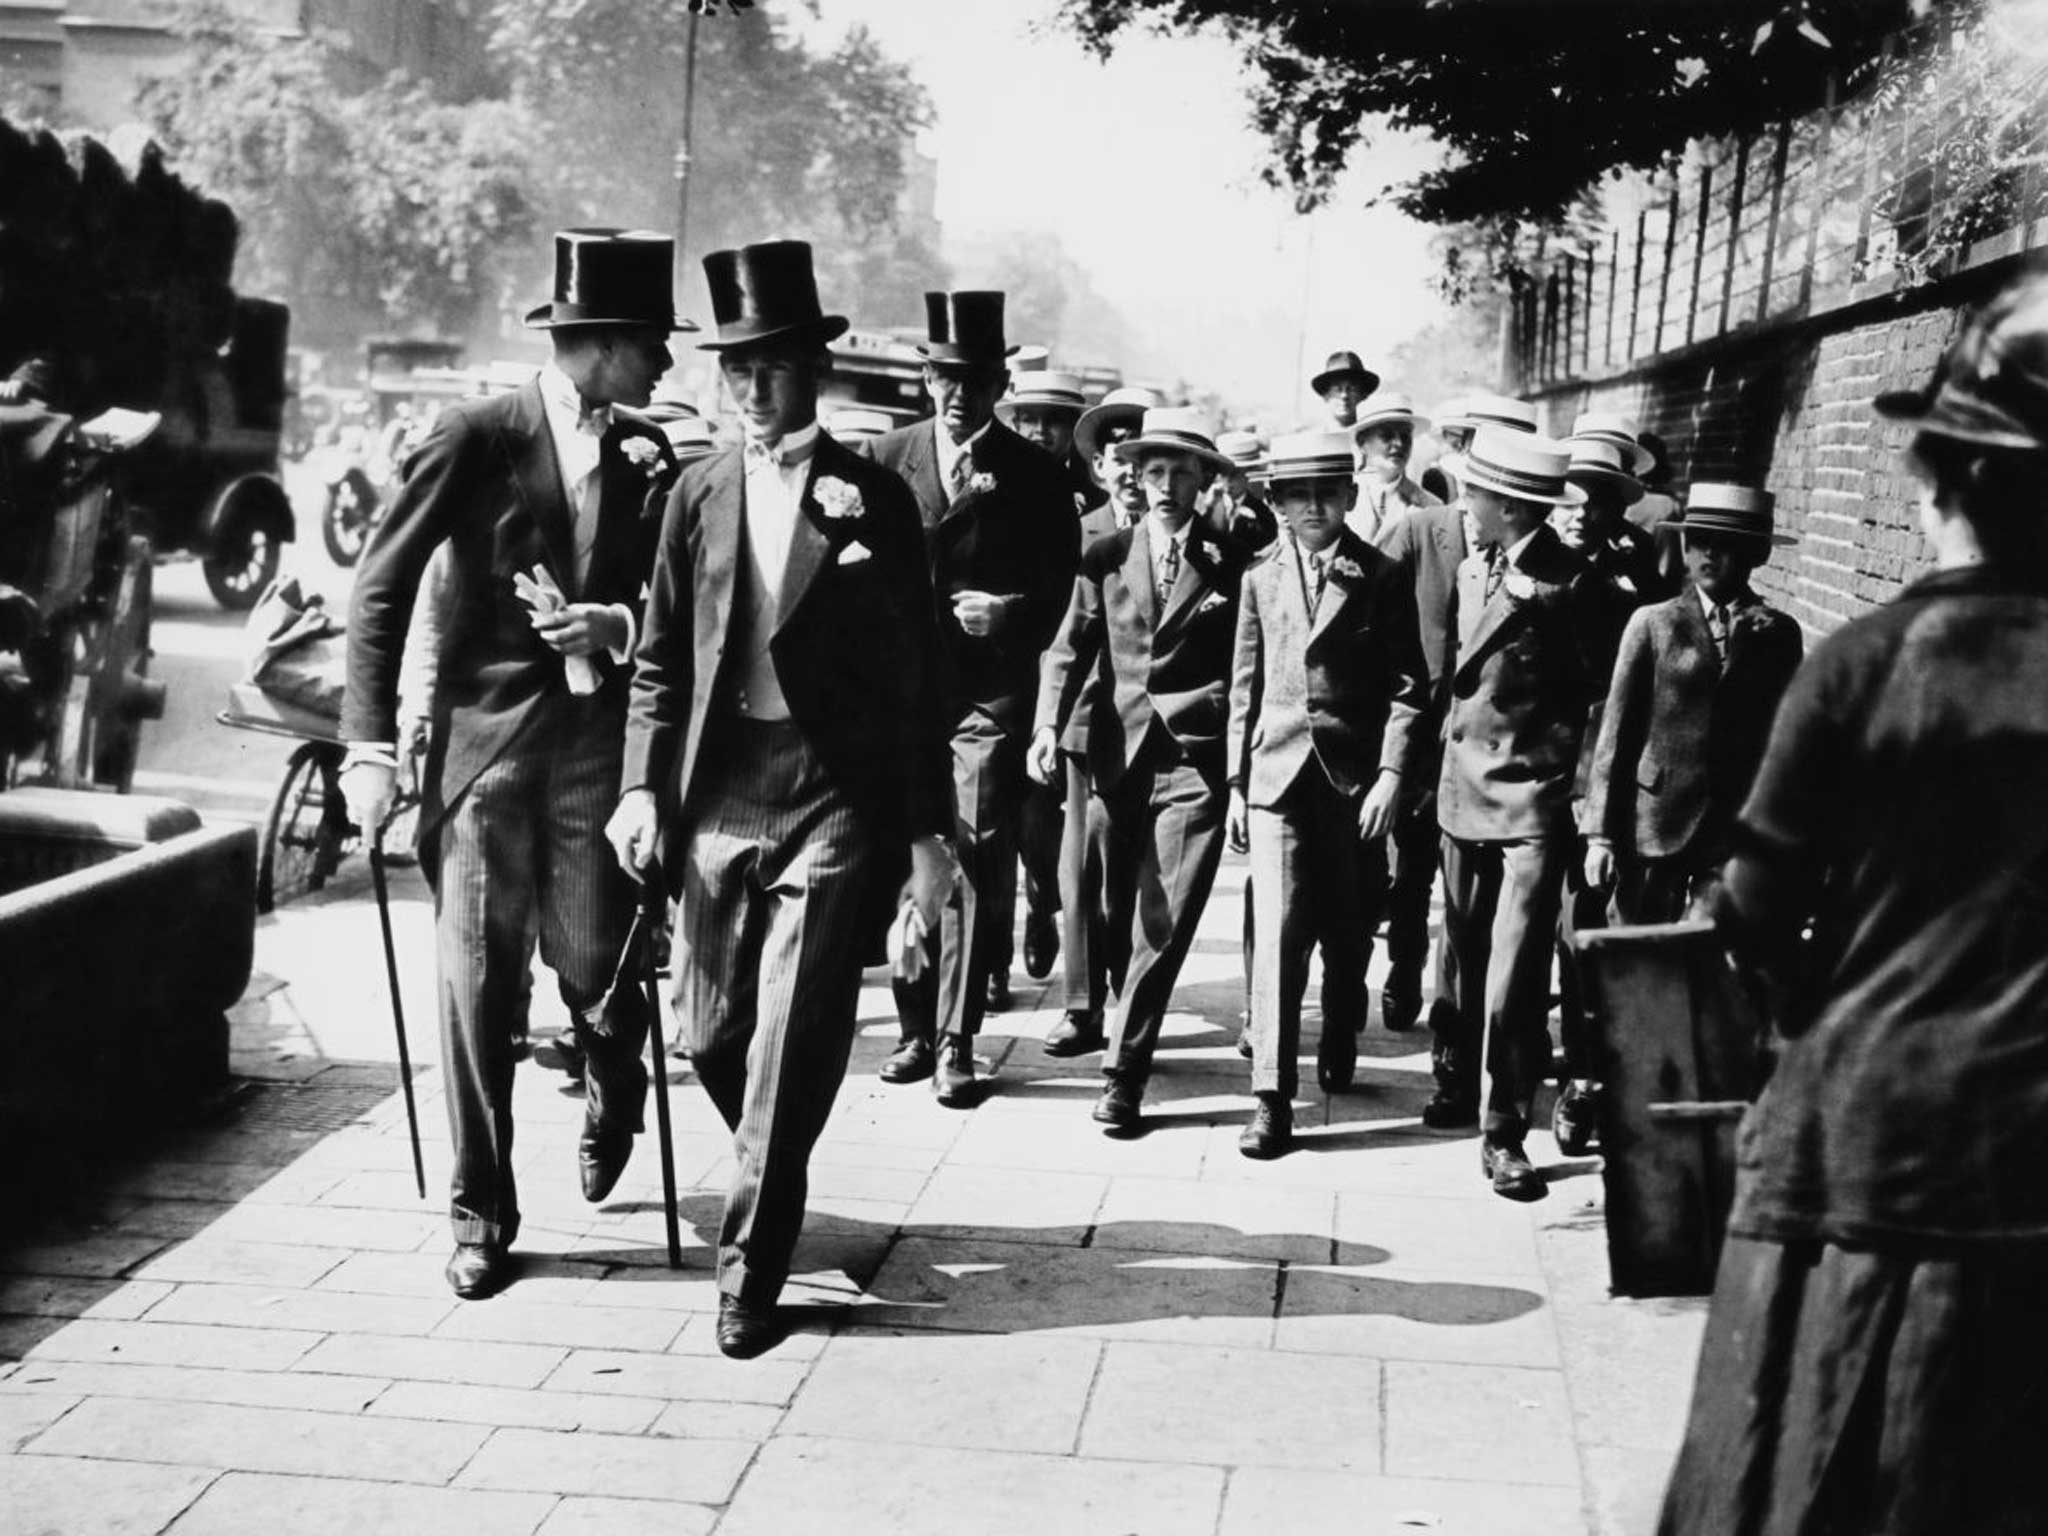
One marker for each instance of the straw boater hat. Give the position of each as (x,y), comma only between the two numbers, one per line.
(1389,409)
(1045,389)
(1455,415)
(1714,506)
(767,292)
(858,426)
(1244,449)
(1501,411)
(1612,427)
(1173,429)
(690,436)
(1322,455)
(966,329)
(1520,464)
(1120,407)
(1345,365)
(611,277)
(1602,461)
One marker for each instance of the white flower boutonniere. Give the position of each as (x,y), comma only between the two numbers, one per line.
(1346,567)
(1518,586)
(838,499)
(981,481)
(643,453)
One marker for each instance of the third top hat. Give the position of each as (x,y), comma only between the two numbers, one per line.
(765,292)
(966,328)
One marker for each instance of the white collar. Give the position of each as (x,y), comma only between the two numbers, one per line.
(558,392)
(1708,605)
(1156,531)
(792,447)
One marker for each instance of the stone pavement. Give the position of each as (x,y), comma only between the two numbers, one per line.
(1008,1323)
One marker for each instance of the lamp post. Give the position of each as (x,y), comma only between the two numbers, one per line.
(683,148)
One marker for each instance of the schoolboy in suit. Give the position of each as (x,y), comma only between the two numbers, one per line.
(1383,441)
(1327,683)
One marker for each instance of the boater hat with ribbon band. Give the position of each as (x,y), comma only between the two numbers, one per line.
(1243,449)
(855,426)
(611,277)
(1046,389)
(1714,506)
(1602,461)
(1124,407)
(1520,464)
(1991,386)
(1501,411)
(1390,409)
(767,292)
(1308,456)
(966,329)
(1173,429)
(1345,365)
(1455,415)
(1611,427)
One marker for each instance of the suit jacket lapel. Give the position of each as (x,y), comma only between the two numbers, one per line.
(809,545)
(1138,572)
(725,506)
(537,477)
(1335,590)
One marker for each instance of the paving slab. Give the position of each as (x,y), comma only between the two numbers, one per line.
(511,1318)
(261,1503)
(147,1343)
(66,1495)
(516,1407)
(1045,1207)
(1263,1501)
(1481,1423)
(318,1311)
(1405,1315)
(242,1263)
(100,1255)
(63,1296)
(1219,1221)
(24,1415)
(192,1384)
(707,1377)
(580,1516)
(627,1466)
(482,1363)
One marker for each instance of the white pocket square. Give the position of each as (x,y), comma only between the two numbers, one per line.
(1213,600)
(854,553)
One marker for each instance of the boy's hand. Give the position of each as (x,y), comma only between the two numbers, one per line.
(1599,869)
(1376,813)
(1237,825)
(1042,757)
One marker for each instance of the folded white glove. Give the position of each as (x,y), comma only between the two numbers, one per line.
(540,593)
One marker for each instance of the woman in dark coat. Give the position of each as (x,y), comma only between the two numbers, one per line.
(1876,1356)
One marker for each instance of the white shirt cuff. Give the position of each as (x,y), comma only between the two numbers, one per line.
(621,654)
(381,752)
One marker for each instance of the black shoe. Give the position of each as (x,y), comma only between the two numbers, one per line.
(477,1270)
(1510,1170)
(999,998)
(1075,1035)
(954,1081)
(563,1054)
(1270,1132)
(601,1157)
(1041,944)
(1117,1110)
(1336,1061)
(1244,1035)
(911,1062)
(1575,1122)
(1450,1111)
(744,1330)
(1399,1011)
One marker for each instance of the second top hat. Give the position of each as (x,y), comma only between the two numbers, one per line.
(767,292)
(966,328)
(611,277)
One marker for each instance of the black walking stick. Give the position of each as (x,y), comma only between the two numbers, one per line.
(412,1114)
(653,909)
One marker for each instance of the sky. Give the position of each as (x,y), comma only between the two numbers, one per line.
(1146,171)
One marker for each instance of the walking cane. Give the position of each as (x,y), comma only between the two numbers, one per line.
(412,1114)
(653,908)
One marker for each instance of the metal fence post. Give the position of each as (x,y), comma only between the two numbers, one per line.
(1699,251)
(1734,234)
(1778,158)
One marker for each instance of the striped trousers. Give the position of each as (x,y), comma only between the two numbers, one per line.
(776,878)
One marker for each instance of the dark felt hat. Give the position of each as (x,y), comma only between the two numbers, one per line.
(1991,386)
(765,292)
(611,277)
(966,328)
(1345,365)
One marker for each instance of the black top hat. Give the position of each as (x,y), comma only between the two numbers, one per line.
(611,277)
(965,327)
(765,292)
(1343,365)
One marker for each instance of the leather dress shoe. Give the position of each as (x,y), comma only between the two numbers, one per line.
(563,1054)
(1076,1034)
(1400,1011)
(953,1081)
(746,1330)
(999,999)
(1041,944)
(1451,1111)
(1117,1110)
(1510,1170)
(1575,1121)
(601,1157)
(1244,1036)
(910,1062)
(477,1270)
(1336,1060)
(1270,1131)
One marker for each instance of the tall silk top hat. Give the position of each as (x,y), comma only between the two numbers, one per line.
(1612,427)
(1602,461)
(966,328)
(1308,456)
(1991,386)
(1345,365)
(611,277)
(1715,506)
(1046,389)
(1173,429)
(767,292)
(1390,409)
(1501,411)
(1124,407)
(1520,464)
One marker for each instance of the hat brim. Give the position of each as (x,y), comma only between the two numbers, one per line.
(945,355)
(1368,381)
(1098,419)
(1131,449)
(1946,413)
(1630,487)
(1707,522)
(822,331)
(1274,473)
(1413,422)
(1042,404)
(544,318)
(1475,476)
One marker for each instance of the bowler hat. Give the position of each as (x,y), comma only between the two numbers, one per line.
(1714,506)
(1046,389)
(767,292)
(1510,462)
(1343,365)
(1124,407)
(1612,427)
(1389,410)
(1324,455)
(966,328)
(1603,461)
(611,277)
(1173,429)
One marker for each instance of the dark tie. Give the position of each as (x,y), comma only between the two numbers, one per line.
(1717,626)
(963,471)
(1496,571)
(1319,576)
(1169,572)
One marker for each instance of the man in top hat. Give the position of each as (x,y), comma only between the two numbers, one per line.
(1003,543)
(1326,686)
(1044,407)
(546,499)
(1342,385)
(784,753)
(1383,441)
(1504,798)
(1152,623)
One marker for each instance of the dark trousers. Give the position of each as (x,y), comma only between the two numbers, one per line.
(949,999)
(1084,898)
(521,857)
(1500,918)
(777,877)
(1041,818)
(1414,855)
(1165,841)
(1583,910)
(1658,890)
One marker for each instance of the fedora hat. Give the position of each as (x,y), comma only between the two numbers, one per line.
(1511,462)
(767,292)
(1603,461)
(966,328)
(856,426)
(1391,409)
(611,277)
(1501,411)
(1613,427)
(1342,365)
(1716,506)
(1046,389)
(1173,429)
(1124,407)
(1322,455)
(1243,449)
(1991,385)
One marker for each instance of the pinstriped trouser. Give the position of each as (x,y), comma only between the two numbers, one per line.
(776,874)
(522,852)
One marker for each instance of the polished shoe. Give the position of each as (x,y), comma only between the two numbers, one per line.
(1514,1178)
(953,1081)
(601,1157)
(1399,1011)
(745,1330)
(477,1270)
(1270,1132)
(563,1054)
(1041,945)
(1117,1110)
(910,1062)
(1449,1111)
(999,999)
(1244,1036)
(1078,1033)
(1336,1062)
(1575,1122)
